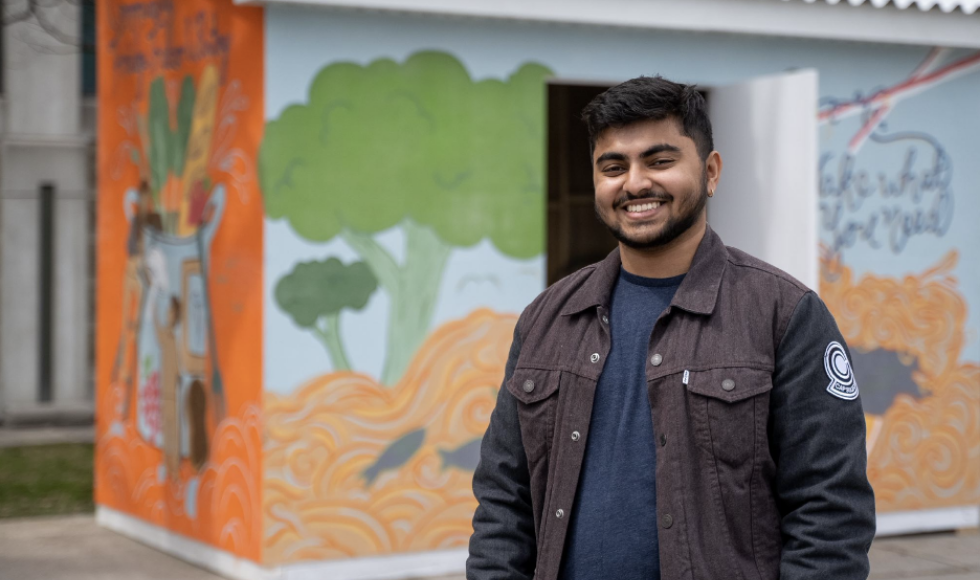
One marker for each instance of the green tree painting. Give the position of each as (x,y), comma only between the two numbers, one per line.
(314,293)
(419,145)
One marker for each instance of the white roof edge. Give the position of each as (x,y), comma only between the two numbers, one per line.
(864,23)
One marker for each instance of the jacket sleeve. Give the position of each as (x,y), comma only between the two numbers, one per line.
(503,543)
(817,439)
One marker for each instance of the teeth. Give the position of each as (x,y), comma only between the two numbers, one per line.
(636,208)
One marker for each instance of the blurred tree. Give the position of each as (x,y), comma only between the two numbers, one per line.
(48,17)
(420,145)
(51,27)
(314,293)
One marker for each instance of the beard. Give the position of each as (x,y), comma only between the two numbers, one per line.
(675,225)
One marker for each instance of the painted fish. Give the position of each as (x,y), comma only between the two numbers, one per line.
(396,455)
(464,457)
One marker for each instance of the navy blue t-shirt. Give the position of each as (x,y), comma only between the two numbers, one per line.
(613,530)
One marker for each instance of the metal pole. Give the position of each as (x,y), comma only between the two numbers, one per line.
(46,293)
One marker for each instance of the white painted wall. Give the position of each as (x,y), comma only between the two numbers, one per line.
(766,203)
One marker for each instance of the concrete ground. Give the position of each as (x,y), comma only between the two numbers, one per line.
(73,547)
(46,435)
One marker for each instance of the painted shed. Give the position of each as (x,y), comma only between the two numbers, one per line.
(320,220)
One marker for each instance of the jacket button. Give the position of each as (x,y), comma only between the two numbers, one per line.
(605,319)
(560,513)
(576,436)
(663,440)
(667,521)
(528,386)
(728,385)
(595,357)
(656,359)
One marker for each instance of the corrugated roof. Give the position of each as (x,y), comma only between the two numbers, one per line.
(966,6)
(756,17)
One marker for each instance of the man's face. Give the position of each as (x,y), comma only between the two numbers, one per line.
(650,184)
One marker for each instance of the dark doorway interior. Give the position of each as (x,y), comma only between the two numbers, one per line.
(575,237)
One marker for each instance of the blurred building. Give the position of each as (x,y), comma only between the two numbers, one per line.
(47,130)
(319,222)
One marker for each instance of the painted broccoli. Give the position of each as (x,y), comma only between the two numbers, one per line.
(418,145)
(314,293)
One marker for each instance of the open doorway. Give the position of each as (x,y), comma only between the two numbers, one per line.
(766,203)
(575,237)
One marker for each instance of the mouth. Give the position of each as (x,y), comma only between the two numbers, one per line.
(642,209)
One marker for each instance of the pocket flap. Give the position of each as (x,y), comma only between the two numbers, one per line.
(532,385)
(730,384)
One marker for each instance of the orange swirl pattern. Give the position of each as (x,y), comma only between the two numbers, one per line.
(321,440)
(925,453)
(219,506)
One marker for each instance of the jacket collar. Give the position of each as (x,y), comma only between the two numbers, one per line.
(697,293)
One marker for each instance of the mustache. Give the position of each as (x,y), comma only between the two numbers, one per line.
(625,199)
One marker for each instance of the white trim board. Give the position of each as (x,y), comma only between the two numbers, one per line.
(394,567)
(436,563)
(935,520)
(762,17)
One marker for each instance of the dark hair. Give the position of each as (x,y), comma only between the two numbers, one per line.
(656,98)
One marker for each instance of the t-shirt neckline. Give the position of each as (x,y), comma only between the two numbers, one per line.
(650,282)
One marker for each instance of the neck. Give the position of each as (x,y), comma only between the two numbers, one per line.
(667,261)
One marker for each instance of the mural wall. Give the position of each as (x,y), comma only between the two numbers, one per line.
(179,269)
(403,168)
(889,191)
(363,460)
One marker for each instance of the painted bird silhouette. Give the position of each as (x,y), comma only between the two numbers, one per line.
(396,455)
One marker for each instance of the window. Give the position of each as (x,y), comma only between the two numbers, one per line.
(88,47)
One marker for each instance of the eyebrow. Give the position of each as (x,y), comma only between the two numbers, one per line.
(659,148)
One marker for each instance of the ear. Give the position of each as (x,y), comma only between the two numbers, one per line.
(712,167)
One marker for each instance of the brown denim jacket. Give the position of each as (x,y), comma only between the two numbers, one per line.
(761,441)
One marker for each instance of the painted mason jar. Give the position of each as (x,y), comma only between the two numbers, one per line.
(179,388)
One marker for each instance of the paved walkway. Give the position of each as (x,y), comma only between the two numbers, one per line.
(23,436)
(73,547)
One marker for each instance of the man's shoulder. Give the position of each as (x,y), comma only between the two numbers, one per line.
(553,299)
(572,282)
(772,290)
(749,268)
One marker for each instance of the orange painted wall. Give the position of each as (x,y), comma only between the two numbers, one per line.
(179,321)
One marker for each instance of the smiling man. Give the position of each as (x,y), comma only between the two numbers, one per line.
(681,409)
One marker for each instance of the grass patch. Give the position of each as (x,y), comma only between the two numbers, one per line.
(46,480)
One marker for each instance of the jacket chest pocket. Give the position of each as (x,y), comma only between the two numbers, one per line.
(536,391)
(729,410)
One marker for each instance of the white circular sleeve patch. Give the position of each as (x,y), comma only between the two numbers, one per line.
(842,384)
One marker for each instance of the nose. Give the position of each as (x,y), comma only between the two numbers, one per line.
(638,181)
